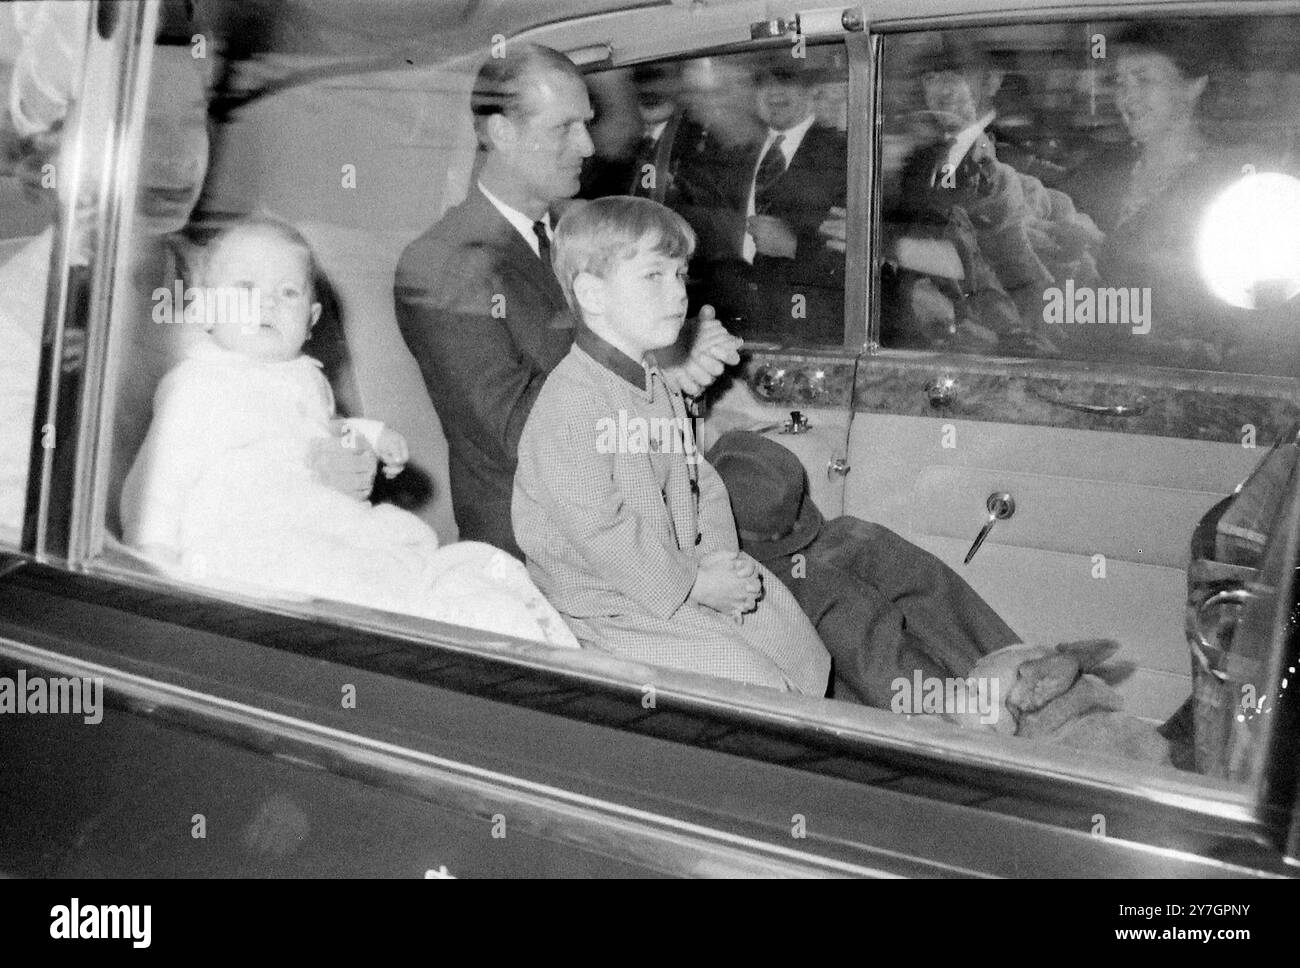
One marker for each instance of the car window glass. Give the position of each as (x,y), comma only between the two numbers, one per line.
(231,465)
(698,135)
(1118,192)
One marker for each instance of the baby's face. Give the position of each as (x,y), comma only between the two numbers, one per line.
(258,269)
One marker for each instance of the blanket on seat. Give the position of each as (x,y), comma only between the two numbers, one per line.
(1050,693)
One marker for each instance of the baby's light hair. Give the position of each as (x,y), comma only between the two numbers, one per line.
(592,235)
(271,225)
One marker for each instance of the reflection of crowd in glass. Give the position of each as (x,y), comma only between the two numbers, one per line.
(1037,195)
(753,155)
(1006,176)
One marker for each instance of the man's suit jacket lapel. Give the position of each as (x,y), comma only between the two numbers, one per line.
(515,258)
(665,148)
(807,160)
(811,156)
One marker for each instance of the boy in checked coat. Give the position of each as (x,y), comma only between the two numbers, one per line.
(627,530)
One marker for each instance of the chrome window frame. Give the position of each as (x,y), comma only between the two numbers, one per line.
(60,512)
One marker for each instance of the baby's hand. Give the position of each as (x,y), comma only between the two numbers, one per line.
(720,586)
(393,452)
(343,461)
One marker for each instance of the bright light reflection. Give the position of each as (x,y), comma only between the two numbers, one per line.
(1249,246)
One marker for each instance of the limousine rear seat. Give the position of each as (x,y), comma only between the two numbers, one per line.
(359,265)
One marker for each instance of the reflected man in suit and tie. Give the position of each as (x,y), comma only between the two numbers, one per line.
(765,261)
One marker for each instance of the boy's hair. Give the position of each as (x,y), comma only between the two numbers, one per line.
(271,225)
(592,235)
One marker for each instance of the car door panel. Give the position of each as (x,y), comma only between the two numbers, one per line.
(1131,499)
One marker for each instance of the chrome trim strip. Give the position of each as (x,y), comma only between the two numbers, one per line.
(41,459)
(862,181)
(89,494)
(891,16)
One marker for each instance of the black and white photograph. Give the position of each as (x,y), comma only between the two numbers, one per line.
(641,439)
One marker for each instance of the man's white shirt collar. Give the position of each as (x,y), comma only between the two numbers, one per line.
(793,139)
(522,223)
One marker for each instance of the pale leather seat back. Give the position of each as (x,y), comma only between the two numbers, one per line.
(359,265)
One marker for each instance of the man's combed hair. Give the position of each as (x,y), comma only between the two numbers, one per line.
(593,235)
(502,81)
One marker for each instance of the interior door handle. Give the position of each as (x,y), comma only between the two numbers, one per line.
(1001,506)
(1134,409)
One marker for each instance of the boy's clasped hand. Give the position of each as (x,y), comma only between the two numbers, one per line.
(728,582)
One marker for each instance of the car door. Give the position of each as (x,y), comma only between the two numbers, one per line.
(1117,460)
(1092,466)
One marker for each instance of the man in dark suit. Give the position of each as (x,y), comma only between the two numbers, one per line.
(476,300)
(645,161)
(758,215)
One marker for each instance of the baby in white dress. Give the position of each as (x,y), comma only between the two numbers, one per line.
(222,490)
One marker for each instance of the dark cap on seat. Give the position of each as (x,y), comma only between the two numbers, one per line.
(768,488)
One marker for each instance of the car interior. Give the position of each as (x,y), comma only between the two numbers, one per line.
(353,127)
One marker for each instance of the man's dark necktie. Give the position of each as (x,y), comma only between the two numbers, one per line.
(645,155)
(770,169)
(543,241)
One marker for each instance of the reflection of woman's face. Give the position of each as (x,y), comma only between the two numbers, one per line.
(174,156)
(1153,97)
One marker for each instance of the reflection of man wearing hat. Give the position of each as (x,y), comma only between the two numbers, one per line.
(882,606)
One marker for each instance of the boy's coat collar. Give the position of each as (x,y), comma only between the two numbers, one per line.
(615,360)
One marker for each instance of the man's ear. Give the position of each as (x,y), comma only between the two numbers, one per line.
(589,294)
(500,131)
(315,316)
(1197,87)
